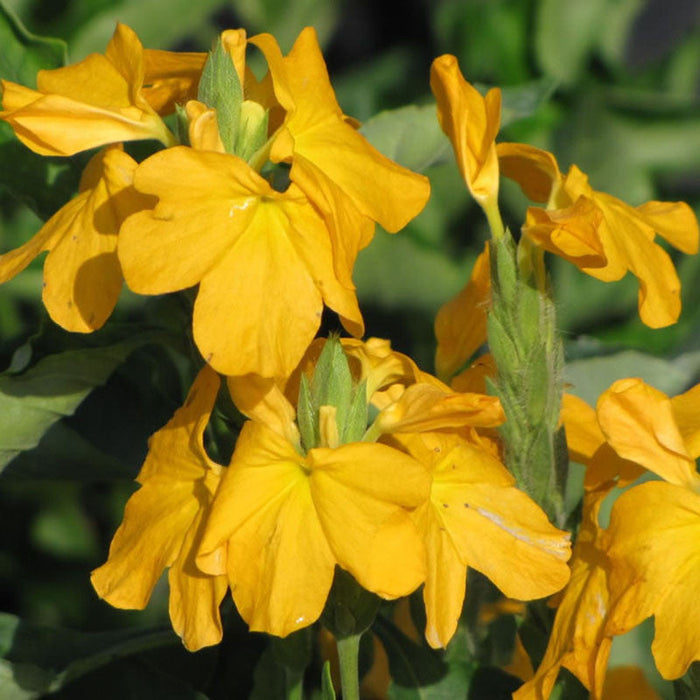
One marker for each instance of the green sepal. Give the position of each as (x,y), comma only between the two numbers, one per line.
(220,88)
(327,690)
(307,416)
(356,420)
(332,384)
(350,609)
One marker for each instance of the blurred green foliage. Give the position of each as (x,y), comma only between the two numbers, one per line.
(612,85)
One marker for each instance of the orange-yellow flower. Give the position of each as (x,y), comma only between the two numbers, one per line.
(262,259)
(655,526)
(163,523)
(476,517)
(286,519)
(460,324)
(578,640)
(92,103)
(471,122)
(601,235)
(346,178)
(588,446)
(82,275)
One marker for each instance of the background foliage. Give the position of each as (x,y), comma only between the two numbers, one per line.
(612,85)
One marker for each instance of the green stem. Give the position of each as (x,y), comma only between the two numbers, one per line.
(348,653)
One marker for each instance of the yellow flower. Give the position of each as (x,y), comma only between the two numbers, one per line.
(92,103)
(82,275)
(287,519)
(476,517)
(601,235)
(471,122)
(578,641)
(163,524)
(344,176)
(587,445)
(655,526)
(460,324)
(262,259)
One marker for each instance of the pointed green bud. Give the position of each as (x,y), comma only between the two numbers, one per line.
(332,383)
(220,88)
(307,416)
(356,420)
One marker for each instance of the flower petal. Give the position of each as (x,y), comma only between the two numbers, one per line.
(686,413)
(280,566)
(654,533)
(315,128)
(177,484)
(471,122)
(460,324)
(445,581)
(534,169)
(639,424)
(370,485)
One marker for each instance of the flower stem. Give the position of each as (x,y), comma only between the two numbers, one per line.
(348,653)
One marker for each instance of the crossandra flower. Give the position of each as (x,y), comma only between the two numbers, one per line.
(95,102)
(601,235)
(82,275)
(655,526)
(276,257)
(476,517)
(279,523)
(163,524)
(471,122)
(336,167)
(262,259)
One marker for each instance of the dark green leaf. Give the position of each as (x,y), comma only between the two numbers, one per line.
(565,32)
(269,680)
(31,402)
(327,691)
(38,659)
(23,54)
(409,135)
(413,667)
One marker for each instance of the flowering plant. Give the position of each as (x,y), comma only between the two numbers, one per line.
(332,516)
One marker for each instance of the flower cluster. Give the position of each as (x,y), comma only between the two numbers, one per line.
(647,561)
(261,193)
(263,201)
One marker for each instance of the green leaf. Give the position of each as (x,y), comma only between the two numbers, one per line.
(38,659)
(34,400)
(414,668)
(409,135)
(590,377)
(158,25)
(284,20)
(327,691)
(23,54)
(45,184)
(522,101)
(269,679)
(565,32)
